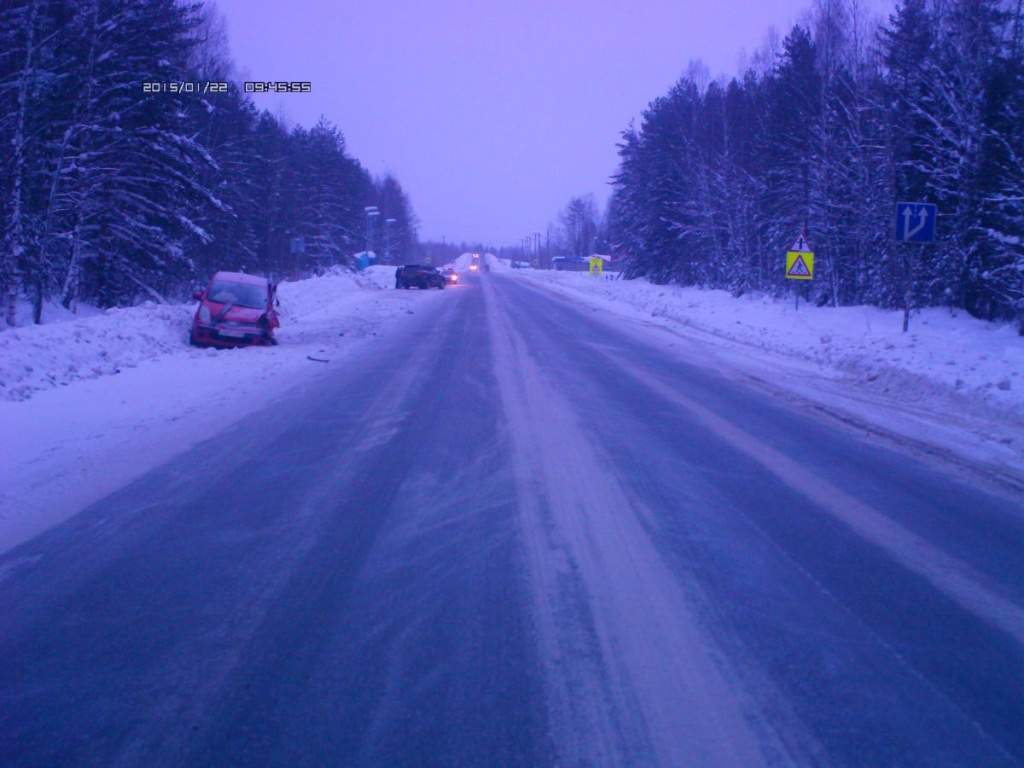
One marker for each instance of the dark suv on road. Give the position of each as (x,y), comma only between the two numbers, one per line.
(418,275)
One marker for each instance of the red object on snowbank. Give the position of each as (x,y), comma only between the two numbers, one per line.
(236,309)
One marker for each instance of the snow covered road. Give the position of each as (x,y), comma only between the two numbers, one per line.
(515,533)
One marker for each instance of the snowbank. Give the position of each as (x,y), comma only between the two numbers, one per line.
(953,352)
(71,347)
(34,358)
(499,265)
(53,312)
(73,432)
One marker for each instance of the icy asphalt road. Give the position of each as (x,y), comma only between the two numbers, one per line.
(522,537)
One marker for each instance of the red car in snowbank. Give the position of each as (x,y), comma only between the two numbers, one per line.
(235,310)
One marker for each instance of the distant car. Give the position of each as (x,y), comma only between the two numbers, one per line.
(235,309)
(419,276)
(451,276)
(473,267)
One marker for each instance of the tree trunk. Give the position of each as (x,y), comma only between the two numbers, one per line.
(69,290)
(14,241)
(37,303)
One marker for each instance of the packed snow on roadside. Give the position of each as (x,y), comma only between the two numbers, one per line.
(91,402)
(956,352)
(69,347)
(53,312)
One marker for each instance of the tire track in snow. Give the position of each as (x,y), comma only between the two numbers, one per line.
(630,675)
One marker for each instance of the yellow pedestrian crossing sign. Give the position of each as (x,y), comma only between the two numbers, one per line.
(800,261)
(596,265)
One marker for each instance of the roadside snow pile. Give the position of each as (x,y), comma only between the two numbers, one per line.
(39,357)
(377,276)
(941,351)
(70,347)
(304,299)
(53,312)
(499,265)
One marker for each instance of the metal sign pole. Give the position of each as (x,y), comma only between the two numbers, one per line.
(908,281)
(916,222)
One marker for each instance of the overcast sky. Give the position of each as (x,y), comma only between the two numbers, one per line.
(491,113)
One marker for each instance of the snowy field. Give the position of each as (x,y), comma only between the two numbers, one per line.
(89,402)
(953,382)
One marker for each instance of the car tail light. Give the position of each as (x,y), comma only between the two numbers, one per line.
(204,314)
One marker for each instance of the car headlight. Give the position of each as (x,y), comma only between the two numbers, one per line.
(204,315)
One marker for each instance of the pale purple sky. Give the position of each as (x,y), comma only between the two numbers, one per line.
(491,113)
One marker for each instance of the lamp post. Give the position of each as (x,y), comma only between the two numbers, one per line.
(388,224)
(371,214)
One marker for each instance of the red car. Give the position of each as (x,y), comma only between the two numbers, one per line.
(235,310)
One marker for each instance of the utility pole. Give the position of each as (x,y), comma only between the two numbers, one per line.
(388,225)
(371,214)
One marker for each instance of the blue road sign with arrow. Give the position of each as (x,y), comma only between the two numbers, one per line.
(915,222)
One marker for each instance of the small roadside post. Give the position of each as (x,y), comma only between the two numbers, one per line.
(800,263)
(915,223)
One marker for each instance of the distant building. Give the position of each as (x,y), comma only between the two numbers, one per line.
(570,264)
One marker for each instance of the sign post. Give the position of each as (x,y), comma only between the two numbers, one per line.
(915,223)
(800,263)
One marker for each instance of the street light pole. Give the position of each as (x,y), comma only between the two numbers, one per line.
(388,224)
(371,213)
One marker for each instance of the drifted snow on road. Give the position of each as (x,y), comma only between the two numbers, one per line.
(90,402)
